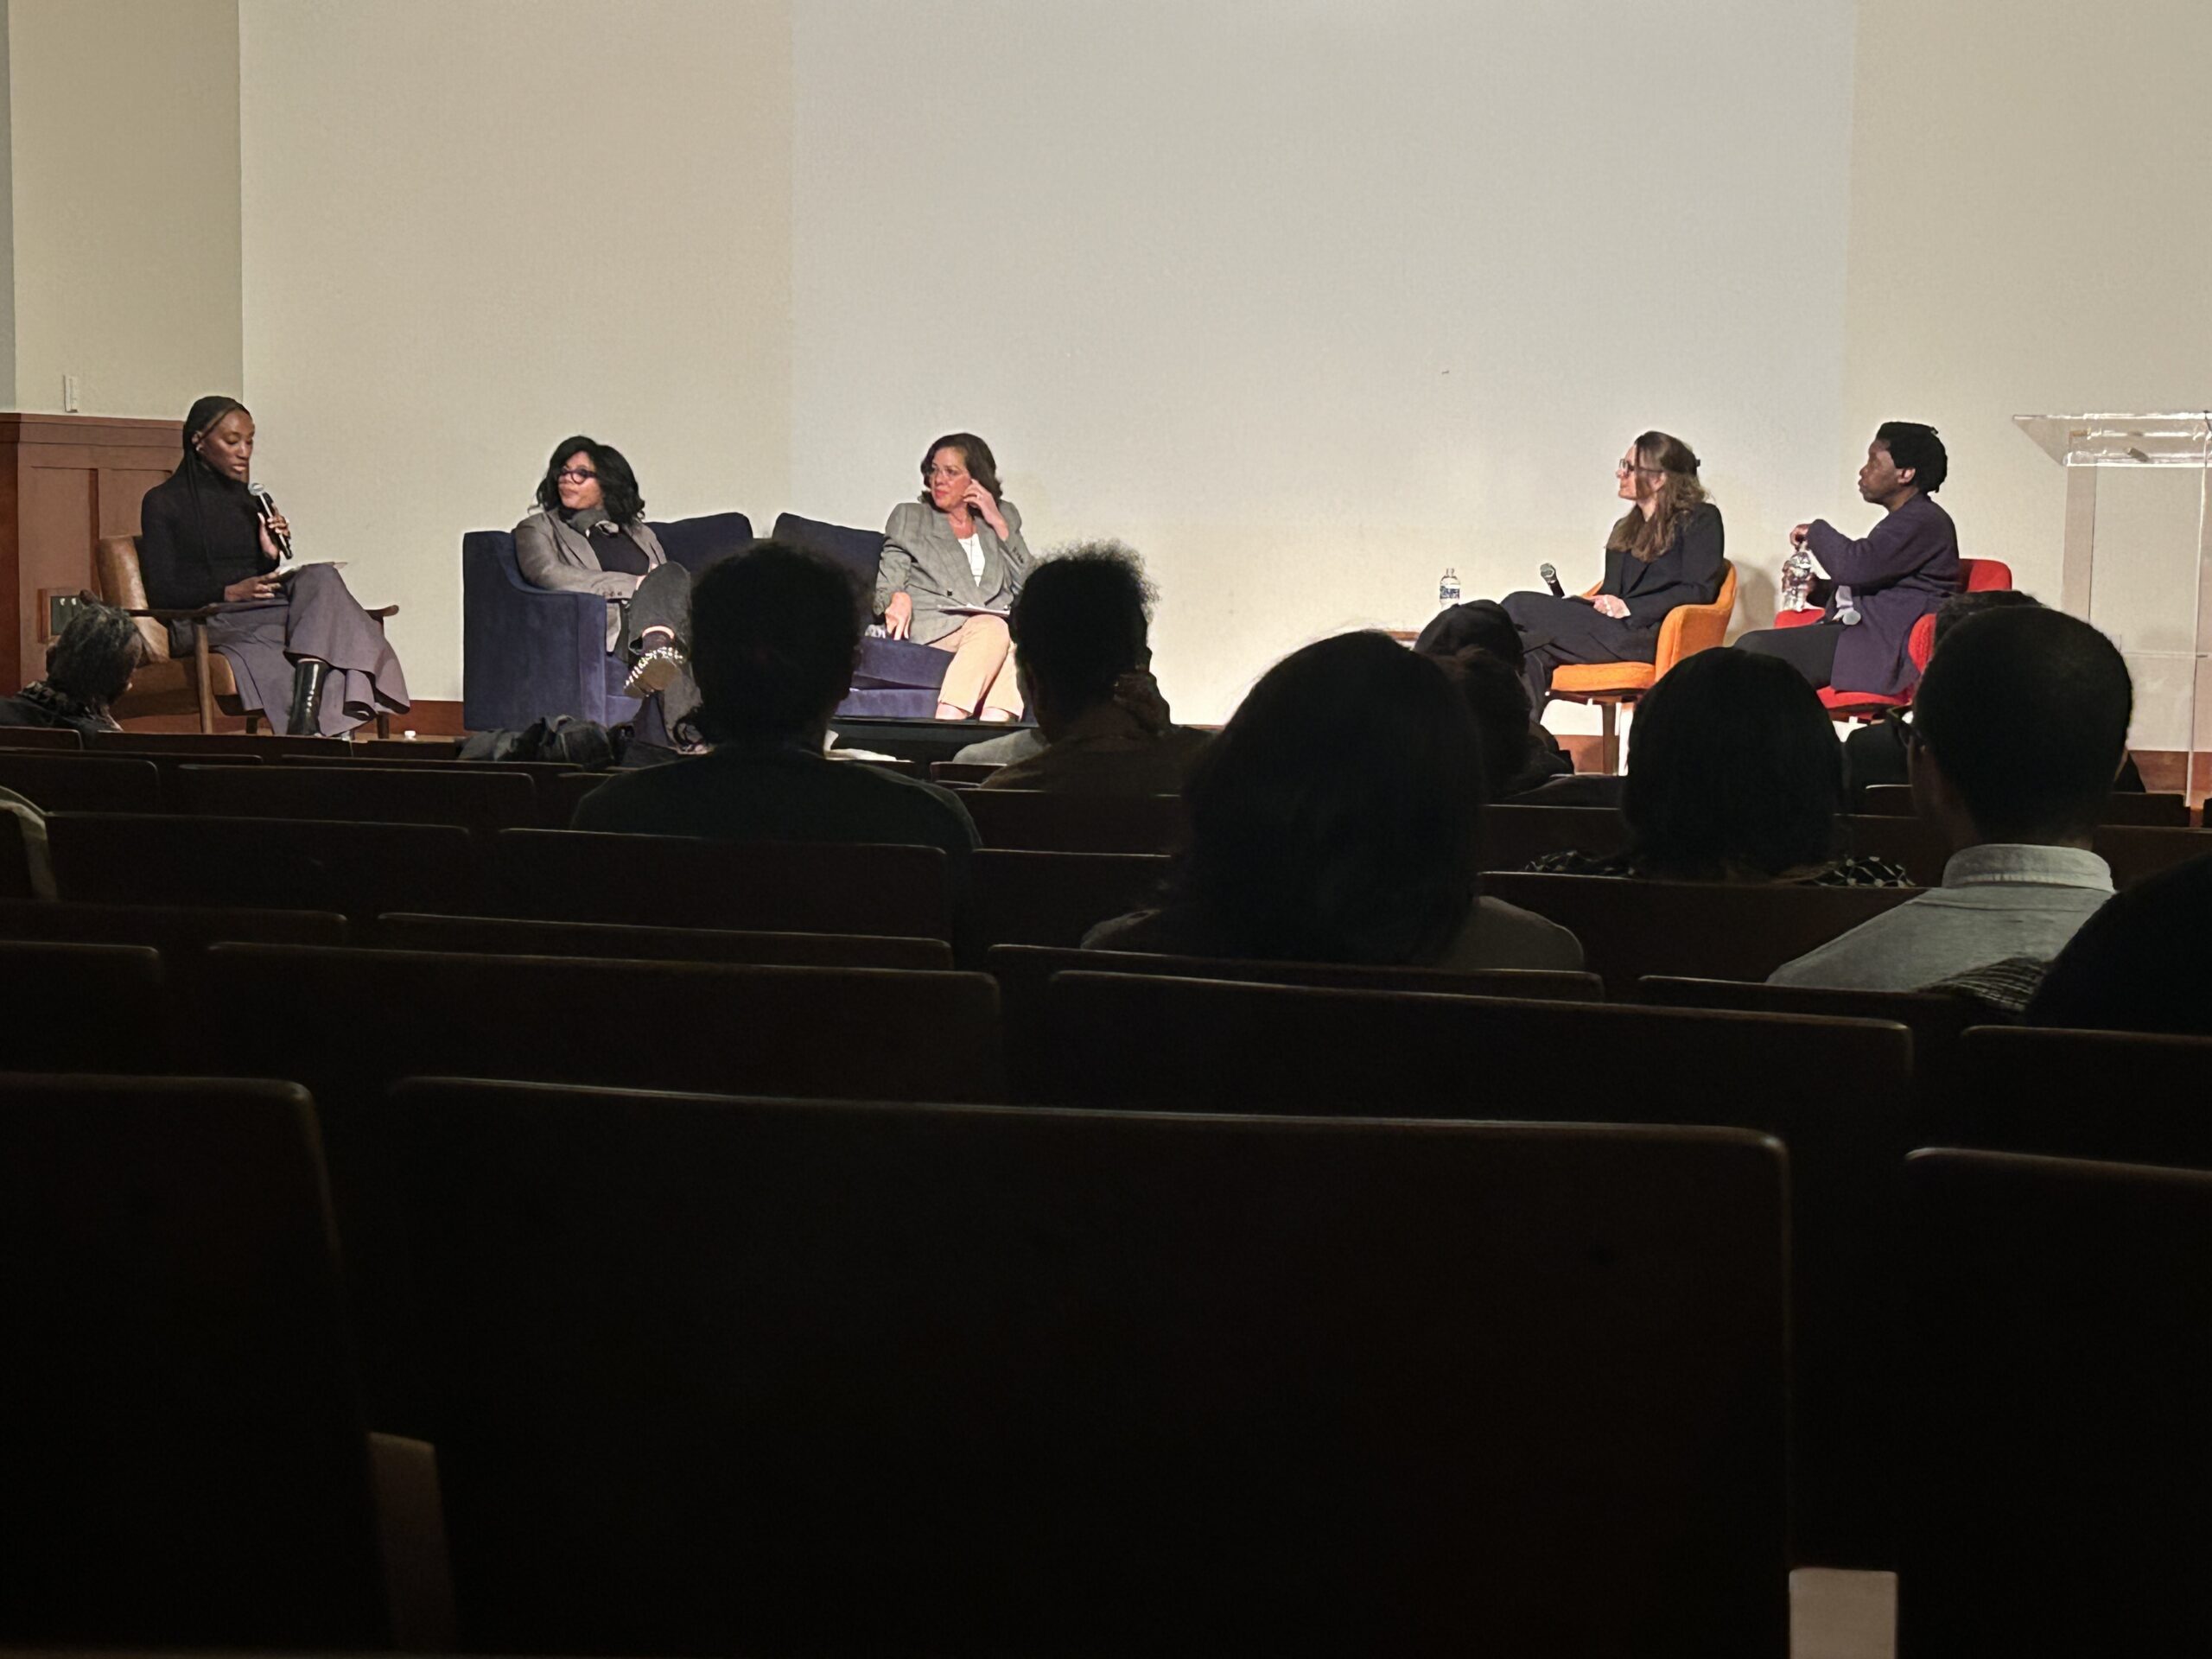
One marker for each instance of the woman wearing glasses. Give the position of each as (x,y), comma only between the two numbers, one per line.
(1665,550)
(306,657)
(588,535)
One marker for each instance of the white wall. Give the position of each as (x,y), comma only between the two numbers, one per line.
(2029,235)
(1310,301)
(123,187)
(473,229)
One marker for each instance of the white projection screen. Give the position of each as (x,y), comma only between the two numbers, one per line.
(1307,301)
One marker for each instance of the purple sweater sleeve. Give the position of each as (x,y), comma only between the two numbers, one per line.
(1902,543)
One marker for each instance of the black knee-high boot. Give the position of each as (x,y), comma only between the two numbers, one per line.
(307,698)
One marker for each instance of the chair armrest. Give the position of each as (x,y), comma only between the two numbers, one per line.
(1689,629)
(200,614)
(411,1538)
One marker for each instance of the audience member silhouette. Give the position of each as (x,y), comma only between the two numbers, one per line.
(88,668)
(2018,729)
(1080,627)
(2139,964)
(1334,819)
(1734,775)
(774,631)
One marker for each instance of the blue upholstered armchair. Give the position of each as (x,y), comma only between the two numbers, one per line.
(529,652)
(895,679)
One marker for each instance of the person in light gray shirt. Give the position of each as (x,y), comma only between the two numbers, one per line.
(2018,728)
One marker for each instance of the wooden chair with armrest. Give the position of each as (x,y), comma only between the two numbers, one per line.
(200,684)
(1686,630)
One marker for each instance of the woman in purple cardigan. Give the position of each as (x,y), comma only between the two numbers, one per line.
(1880,585)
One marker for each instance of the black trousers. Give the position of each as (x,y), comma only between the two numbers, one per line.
(1809,650)
(662,600)
(1556,630)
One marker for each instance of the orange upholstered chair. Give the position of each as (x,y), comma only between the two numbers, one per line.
(1686,630)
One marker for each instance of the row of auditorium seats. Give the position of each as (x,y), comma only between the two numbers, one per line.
(1835,1079)
(487,797)
(718,1374)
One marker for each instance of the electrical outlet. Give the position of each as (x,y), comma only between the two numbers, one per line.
(71,386)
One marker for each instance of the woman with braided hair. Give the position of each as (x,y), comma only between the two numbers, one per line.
(306,657)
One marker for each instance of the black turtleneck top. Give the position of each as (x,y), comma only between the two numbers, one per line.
(198,535)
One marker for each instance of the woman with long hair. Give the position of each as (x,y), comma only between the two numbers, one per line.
(588,535)
(953,559)
(1665,550)
(1334,820)
(306,657)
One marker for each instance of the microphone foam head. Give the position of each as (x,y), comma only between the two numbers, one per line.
(1547,571)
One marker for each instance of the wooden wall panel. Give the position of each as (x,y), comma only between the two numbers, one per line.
(66,480)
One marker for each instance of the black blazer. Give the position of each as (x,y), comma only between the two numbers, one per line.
(1689,572)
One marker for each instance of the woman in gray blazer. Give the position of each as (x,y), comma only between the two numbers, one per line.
(952,562)
(588,535)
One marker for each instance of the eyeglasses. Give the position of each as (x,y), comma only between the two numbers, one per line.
(1631,467)
(574,475)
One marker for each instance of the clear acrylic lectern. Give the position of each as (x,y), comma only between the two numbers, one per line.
(2138,561)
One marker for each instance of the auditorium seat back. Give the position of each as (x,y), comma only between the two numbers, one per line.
(67,738)
(742,1375)
(1045,822)
(1034,898)
(367,1017)
(358,870)
(1936,1020)
(2122,806)
(501,935)
(2138,851)
(577,875)
(484,801)
(74,1007)
(1023,971)
(81,783)
(1835,1092)
(202,745)
(1702,930)
(1510,836)
(182,1436)
(2058,1490)
(2119,1095)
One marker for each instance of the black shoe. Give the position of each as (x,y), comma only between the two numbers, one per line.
(307,699)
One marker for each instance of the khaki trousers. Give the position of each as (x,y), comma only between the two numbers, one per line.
(981,674)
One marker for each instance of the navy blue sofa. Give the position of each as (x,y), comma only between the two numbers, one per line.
(530,652)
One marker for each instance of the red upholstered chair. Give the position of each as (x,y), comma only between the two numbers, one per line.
(1975,576)
(1686,630)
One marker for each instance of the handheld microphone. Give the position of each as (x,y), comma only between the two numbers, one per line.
(1551,580)
(264,505)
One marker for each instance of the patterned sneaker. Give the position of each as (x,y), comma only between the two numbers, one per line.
(654,671)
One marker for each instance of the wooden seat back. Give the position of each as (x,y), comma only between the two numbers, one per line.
(1511,837)
(682,882)
(481,801)
(358,870)
(1034,898)
(1317,1387)
(2122,806)
(183,1440)
(66,738)
(80,1006)
(2119,1095)
(81,783)
(1702,930)
(1836,1092)
(2058,1477)
(496,936)
(1042,821)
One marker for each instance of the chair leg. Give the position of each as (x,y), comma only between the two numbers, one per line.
(384,724)
(253,721)
(202,677)
(1609,742)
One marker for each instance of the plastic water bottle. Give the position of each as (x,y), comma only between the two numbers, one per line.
(1447,589)
(1797,580)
